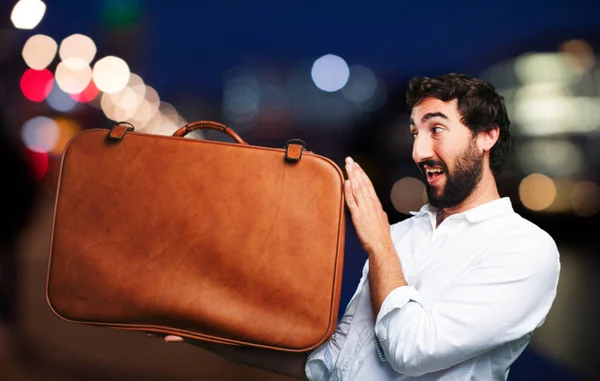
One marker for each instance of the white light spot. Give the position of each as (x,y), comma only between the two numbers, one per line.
(39,51)
(111,74)
(73,75)
(27,14)
(78,46)
(330,73)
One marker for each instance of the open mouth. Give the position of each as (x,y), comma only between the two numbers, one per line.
(433,174)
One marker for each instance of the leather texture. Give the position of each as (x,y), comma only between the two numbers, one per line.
(217,241)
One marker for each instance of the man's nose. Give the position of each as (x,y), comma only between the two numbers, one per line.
(422,148)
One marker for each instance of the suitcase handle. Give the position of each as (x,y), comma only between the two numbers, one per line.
(208,125)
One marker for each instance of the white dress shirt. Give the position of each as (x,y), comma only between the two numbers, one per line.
(478,286)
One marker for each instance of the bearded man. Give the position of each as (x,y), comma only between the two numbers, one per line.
(454,292)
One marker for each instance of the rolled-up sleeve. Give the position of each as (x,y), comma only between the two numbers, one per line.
(321,361)
(506,296)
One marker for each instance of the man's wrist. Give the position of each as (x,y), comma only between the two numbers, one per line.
(381,249)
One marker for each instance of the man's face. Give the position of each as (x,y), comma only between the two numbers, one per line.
(445,151)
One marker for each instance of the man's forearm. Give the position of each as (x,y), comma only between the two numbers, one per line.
(284,363)
(385,275)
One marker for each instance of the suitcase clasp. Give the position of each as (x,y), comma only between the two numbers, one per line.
(293,149)
(118,131)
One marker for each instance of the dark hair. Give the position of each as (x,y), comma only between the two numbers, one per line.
(480,106)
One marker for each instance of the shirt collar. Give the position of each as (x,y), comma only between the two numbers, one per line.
(480,213)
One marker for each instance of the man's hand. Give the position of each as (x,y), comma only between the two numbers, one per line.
(369,218)
(373,230)
(284,363)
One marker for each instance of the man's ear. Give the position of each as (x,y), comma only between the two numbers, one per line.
(487,139)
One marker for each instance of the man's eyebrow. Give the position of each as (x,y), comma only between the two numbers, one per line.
(430,115)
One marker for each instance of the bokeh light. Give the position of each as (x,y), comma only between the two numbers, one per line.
(111,74)
(27,14)
(585,198)
(330,73)
(554,157)
(39,163)
(112,111)
(579,54)
(543,68)
(73,75)
(361,85)
(36,84)
(39,51)
(67,129)
(241,99)
(167,110)
(147,108)
(60,101)
(40,134)
(537,192)
(78,46)
(408,194)
(88,94)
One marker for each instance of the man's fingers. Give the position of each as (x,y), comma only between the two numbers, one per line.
(358,190)
(366,187)
(173,339)
(350,201)
(368,184)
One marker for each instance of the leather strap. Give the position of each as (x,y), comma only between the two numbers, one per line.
(208,125)
(118,131)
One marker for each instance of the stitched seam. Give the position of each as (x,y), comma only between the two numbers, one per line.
(472,370)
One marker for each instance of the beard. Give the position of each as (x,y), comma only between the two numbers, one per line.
(460,183)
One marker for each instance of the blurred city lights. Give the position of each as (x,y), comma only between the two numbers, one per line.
(241,99)
(579,54)
(111,74)
(40,134)
(147,108)
(39,51)
(60,101)
(548,92)
(78,46)
(88,94)
(361,85)
(556,157)
(67,129)
(161,125)
(585,198)
(543,67)
(39,163)
(330,73)
(169,111)
(537,192)
(73,75)
(274,102)
(121,13)
(27,14)
(115,111)
(36,84)
(562,200)
(408,194)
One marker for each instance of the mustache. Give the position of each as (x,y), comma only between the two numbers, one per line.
(432,163)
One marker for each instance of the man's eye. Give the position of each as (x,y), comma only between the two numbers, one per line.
(437,130)
(414,134)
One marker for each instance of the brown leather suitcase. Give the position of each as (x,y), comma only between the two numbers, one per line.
(218,241)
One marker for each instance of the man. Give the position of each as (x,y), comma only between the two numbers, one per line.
(456,291)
